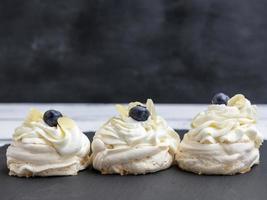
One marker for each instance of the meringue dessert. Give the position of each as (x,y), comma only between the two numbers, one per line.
(223,140)
(47,145)
(138,141)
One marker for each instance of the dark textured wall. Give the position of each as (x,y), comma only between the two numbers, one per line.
(179,51)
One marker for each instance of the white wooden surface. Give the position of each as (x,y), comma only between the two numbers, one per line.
(90,116)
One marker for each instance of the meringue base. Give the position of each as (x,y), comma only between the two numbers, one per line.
(28,160)
(28,170)
(154,163)
(217,159)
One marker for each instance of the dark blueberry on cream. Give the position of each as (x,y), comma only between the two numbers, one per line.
(220,98)
(139,113)
(51,116)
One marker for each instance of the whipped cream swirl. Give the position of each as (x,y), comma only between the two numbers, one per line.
(123,145)
(38,149)
(231,123)
(224,139)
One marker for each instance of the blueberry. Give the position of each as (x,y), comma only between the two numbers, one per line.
(51,116)
(139,113)
(220,98)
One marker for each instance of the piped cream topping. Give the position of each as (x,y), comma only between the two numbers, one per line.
(66,137)
(224,139)
(231,123)
(123,140)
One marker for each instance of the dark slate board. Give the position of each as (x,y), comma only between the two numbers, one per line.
(172,183)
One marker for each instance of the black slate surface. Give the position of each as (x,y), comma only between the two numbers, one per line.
(180,51)
(169,184)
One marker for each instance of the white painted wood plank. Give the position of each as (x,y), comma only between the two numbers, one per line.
(3,143)
(89,111)
(7,127)
(91,116)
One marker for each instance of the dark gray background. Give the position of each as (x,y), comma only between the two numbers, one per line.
(179,51)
